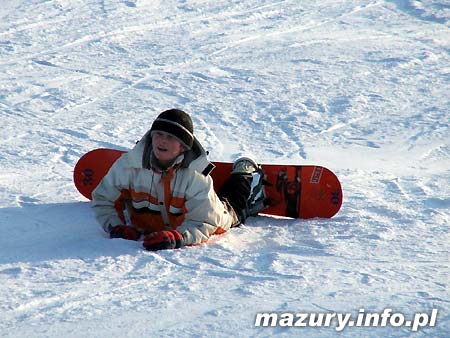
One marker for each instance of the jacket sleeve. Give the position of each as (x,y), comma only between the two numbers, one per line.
(107,198)
(206,214)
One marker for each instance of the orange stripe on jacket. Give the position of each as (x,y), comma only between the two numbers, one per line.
(142,196)
(147,221)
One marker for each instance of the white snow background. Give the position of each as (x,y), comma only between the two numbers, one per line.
(361,87)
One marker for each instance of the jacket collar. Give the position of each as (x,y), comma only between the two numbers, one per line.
(154,163)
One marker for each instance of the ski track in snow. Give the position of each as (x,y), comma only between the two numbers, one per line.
(358,86)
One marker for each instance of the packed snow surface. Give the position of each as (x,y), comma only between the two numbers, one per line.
(361,87)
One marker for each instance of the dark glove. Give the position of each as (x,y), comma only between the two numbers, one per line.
(125,232)
(161,240)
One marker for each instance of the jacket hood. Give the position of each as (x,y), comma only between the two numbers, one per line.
(195,158)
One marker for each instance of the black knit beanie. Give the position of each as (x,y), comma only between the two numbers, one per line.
(177,123)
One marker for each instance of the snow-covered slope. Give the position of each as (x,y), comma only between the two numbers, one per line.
(362,87)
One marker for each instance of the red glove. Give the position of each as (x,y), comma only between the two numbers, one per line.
(125,232)
(161,240)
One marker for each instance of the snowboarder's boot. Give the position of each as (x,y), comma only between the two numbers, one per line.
(244,189)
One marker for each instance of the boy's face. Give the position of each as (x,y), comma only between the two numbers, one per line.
(166,147)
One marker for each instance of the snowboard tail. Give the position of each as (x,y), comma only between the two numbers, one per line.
(296,191)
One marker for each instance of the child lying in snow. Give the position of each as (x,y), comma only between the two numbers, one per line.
(164,185)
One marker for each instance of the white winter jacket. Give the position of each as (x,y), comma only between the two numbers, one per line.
(181,197)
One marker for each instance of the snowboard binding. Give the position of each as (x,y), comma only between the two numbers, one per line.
(244,189)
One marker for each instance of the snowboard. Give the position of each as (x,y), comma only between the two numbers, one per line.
(296,191)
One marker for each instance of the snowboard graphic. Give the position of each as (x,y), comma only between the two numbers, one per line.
(297,191)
